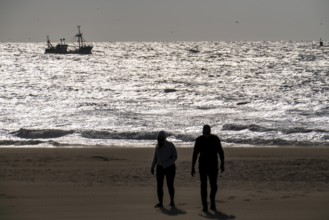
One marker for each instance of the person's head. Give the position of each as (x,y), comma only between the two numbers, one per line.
(206,130)
(161,138)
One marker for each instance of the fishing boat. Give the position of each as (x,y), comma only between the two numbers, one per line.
(62,47)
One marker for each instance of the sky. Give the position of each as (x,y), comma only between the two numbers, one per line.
(164,20)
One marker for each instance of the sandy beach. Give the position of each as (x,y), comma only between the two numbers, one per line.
(116,183)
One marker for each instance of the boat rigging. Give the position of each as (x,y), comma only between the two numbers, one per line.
(62,47)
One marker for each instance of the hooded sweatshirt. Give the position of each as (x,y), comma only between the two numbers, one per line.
(165,155)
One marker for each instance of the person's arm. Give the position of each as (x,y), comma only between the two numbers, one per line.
(154,162)
(194,157)
(173,154)
(220,152)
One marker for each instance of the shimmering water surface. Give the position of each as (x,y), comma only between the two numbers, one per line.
(255,93)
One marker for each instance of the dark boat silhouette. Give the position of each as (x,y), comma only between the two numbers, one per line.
(194,50)
(62,47)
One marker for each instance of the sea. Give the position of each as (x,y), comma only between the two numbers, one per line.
(252,94)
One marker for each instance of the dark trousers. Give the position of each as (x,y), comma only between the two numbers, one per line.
(169,173)
(211,174)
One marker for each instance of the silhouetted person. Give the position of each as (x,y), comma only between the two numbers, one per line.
(208,148)
(164,159)
(321,43)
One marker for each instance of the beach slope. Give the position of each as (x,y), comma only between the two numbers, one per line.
(116,183)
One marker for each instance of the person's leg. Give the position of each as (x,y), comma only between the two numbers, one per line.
(203,180)
(170,177)
(160,179)
(213,187)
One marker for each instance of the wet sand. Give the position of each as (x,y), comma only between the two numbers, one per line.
(116,183)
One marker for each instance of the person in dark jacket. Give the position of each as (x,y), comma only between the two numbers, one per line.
(208,147)
(164,159)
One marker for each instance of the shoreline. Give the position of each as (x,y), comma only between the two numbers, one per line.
(51,145)
(115,183)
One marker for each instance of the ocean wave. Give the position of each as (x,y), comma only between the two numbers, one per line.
(274,141)
(256,141)
(27,142)
(97,134)
(92,134)
(257,128)
(151,135)
(35,135)
(240,127)
(41,134)
(307,57)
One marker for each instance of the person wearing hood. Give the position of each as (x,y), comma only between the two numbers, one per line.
(164,161)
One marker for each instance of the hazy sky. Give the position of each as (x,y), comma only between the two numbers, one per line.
(164,20)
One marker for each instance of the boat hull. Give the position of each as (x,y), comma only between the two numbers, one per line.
(82,50)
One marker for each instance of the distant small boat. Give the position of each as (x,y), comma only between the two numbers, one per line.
(194,50)
(62,47)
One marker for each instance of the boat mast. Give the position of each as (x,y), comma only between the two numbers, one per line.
(48,42)
(79,35)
